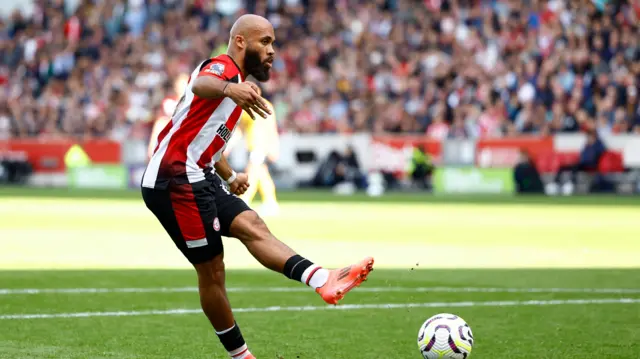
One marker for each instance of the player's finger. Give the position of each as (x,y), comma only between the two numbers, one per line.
(263,105)
(253,94)
(254,87)
(258,111)
(247,109)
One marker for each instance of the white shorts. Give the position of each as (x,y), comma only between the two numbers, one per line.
(257,157)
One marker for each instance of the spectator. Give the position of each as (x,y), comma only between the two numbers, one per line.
(421,169)
(526,176)
(588,161)
(484,68)
(339,168)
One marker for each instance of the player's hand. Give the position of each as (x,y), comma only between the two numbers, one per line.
(246,96)
(240,185)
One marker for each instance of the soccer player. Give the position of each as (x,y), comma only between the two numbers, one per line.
(182,184)
(262,141)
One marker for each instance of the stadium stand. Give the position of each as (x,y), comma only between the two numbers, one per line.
(451,68)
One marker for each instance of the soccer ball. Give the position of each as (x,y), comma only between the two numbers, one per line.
(445,336)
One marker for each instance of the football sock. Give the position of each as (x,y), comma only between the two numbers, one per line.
(303,270)
(233,342)
(315,277)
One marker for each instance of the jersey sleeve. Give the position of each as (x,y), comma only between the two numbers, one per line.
(217,68)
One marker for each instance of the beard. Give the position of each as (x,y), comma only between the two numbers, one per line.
(255,66)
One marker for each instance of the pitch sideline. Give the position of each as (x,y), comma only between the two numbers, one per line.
(35,291)
(319,308)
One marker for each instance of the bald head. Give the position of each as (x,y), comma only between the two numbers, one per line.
(249,24)
(251,45)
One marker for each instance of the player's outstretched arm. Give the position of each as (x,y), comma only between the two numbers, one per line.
(209,87)
(243,94)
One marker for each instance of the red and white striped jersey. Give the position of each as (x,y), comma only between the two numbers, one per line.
(190,144)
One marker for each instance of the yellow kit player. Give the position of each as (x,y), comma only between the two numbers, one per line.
(262,141)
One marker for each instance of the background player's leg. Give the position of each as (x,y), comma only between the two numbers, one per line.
(254,180)
(216,306)
(267,188)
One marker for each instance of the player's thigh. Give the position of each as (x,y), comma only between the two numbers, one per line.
(229,207)
(189,215)
(248,226)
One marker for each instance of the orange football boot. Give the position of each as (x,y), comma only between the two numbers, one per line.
(250,357)
(341,281)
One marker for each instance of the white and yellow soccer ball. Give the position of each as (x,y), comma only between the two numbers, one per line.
(445,336)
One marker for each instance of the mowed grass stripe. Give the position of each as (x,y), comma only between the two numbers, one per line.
(339,307)
(119,234)
(36,291)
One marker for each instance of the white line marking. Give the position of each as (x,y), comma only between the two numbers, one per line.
(339,307)
(7,291)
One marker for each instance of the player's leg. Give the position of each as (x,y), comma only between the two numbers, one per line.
(190,217)
(239,221)
(253,170)
(332,285)
(215,305)
(267,190)
(254,180)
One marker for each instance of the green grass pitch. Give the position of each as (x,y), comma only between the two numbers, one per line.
(533,277)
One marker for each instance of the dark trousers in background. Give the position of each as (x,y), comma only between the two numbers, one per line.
(421,176)
(14,171)
(527,179)
(573,169)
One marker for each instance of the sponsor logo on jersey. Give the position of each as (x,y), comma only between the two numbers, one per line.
(224,133)
(216,69)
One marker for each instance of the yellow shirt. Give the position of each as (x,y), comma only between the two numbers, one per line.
(260,134)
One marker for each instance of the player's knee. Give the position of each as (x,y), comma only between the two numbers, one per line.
(211,272)
(258,229)
(252,228)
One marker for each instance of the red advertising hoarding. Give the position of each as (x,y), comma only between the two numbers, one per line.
(48,155)
(504,152)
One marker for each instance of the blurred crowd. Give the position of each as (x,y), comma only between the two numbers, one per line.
(444,68)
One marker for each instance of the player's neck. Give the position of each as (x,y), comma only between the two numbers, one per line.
(237,60)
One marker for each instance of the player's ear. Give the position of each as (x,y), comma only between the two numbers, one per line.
(240,41)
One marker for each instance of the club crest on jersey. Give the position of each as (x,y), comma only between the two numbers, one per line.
(217,69)
(216,224)
(224,133)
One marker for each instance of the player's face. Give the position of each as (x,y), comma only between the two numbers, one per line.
(259,55)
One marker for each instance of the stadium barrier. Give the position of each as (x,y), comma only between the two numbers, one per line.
(50,159)
(453,180)
(486,162)
(459,163)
